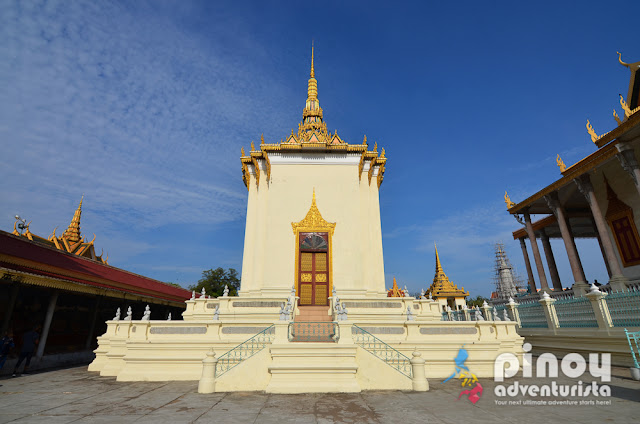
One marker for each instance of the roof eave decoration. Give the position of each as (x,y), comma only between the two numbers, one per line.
(313,221)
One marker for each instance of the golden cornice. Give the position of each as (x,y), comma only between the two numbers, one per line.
(371,168)
(254,161)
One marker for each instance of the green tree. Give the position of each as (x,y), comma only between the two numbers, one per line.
(173,284)
(478,301)
(214,280)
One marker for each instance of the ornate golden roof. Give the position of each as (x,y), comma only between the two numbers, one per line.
(70,241)
(313,221)
(395,291)
(312,135)
(441,286)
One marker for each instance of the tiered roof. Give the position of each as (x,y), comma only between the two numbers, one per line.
(312,136)
(70,241)
(441,286)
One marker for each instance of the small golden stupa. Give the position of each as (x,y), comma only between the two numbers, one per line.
(443,290)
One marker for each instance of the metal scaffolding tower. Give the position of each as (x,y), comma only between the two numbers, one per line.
(506,281)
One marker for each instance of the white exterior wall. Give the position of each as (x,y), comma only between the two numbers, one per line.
(269,254)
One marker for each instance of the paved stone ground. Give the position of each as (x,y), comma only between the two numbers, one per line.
(75,395)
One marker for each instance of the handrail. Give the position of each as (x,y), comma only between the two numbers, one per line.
(381,350)
(313,331)
(245,350)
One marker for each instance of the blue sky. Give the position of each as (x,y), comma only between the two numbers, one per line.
(143,107)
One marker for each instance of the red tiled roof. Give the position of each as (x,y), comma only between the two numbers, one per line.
(42,260)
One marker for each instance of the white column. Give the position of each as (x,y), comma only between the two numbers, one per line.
(47,324)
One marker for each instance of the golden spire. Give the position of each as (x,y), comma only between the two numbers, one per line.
(72,233)
(242,152)
(395,291)
(438,265)
(313,72)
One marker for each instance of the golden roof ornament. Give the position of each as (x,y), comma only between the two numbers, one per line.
(253,148)
(625,107)
(242,152)
(508,201)
(627,65)
(365,140)
(382,154)
(560,163)
(313,221)
(375,146)
(395,291)
(261,139)
(592,133)
(616,117)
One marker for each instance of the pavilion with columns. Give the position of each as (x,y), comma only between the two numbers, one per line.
(597,197)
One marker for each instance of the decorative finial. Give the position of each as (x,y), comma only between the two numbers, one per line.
(620,60)
(625,106)
(262,139)
(242,152)
(560,163)
(508,201)
(313,199)
(592,133)
(365,140)
(313,72)
(616,117)
(253,147)
(382,154)
(375,146)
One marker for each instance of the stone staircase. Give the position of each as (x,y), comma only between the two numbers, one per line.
(313,314)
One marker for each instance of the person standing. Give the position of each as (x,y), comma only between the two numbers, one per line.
(30,340)
(6,344)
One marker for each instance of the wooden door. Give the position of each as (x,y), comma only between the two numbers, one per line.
(313,276)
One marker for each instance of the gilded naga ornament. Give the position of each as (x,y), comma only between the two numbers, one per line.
(616,117)
(592,133)
(508,201)
(560,163)
(625,106)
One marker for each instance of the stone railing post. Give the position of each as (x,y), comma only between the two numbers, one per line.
(467,315)
(207,382)
(549,311)
(419,379)
(487,312)
(281,330)
(600,308)
(344,328)
(512,306)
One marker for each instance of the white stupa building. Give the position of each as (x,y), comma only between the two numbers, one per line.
(312,314)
